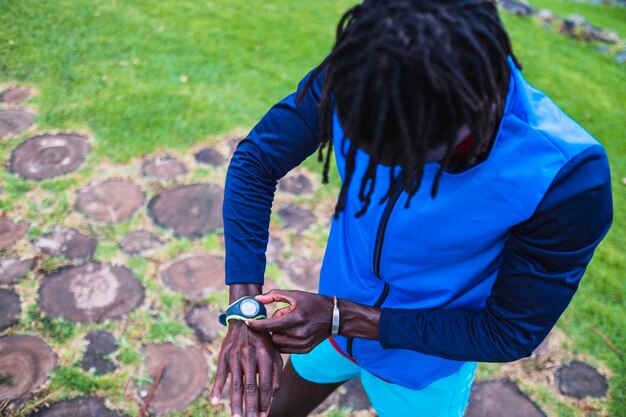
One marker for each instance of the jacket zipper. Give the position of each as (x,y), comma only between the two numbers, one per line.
(378,249)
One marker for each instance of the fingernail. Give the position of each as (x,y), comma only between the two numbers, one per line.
(263,415)
(247,322)
(215,400)
(236,415)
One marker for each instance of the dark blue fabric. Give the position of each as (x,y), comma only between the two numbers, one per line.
(284,137)
(543,262)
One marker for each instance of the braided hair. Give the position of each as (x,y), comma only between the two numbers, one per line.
(406,75)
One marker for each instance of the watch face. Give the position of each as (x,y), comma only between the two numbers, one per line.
(249,307)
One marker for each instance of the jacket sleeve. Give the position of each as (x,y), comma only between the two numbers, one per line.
(543,262)
(284,137)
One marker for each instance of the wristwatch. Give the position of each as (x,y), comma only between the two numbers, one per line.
(243,309)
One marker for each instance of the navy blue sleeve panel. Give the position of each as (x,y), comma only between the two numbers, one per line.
(284,137)
(543,261)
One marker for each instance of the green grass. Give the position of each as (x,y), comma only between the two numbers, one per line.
(114,69)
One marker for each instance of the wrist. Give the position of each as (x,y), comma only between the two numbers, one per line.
(357,320)
(241,290)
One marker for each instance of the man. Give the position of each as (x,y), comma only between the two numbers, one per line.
(469,209)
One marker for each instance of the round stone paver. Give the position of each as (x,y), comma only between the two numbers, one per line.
(14,268)
(15,95)
(25,362)
(210,156)
(66,242)
(304,273)
(195,275)
(190,210)
(139,242)
(15,121)
(100,344)
(579,380)
(163,168)
(184,376)
(296,184)
(203,320)
(112,201)
(77,407)
(49,156)
(500,398)
(297,218)
(11,232)
(10,309)
(90,292)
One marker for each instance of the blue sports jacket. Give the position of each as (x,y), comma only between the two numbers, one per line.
(482,272)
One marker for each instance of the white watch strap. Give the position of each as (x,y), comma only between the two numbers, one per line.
(334,328)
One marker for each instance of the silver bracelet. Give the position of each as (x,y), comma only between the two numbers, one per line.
(334,328)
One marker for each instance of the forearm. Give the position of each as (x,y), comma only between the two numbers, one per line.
(248,197)
(464,335)
(284,138)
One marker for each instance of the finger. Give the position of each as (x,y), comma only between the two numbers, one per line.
(236,388)
(273,324)
(277,373)
(221,375)
(277,370)
(250,390)
(282,311)
(274,296)
(265,382)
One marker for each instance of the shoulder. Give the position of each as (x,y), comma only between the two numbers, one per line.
(577,209)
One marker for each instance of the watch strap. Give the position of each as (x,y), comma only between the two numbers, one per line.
(226,319)
(233,312)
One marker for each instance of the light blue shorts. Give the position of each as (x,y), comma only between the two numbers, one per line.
(446,397)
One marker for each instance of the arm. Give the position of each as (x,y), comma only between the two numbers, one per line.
(544,260)
(285,136)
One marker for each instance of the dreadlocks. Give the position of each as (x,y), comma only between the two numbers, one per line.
(405,75)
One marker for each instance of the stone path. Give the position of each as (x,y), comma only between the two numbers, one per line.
(100,344)
(182,375)
(579,380)
(90,292)
(67,242)
(25,364)
(189,210)
(195,276)
(48,156)
(83,407)
(499,399)
(112,201)
(163,168)
(573,26)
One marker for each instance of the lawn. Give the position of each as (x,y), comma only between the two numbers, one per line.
(142,76)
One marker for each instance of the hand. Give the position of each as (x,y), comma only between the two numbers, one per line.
(299,327)
(244,354)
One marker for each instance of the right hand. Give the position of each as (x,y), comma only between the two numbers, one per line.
(243,355)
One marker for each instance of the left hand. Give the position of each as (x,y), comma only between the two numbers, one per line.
(299,327)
